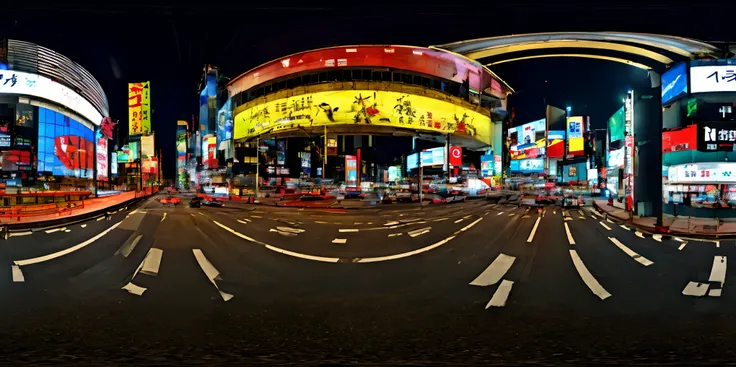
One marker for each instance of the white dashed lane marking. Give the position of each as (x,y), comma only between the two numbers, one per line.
(495,271)
(501,295)
(641,259)
(587,277)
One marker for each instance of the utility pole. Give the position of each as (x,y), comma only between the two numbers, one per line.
(324,156)
(258,160)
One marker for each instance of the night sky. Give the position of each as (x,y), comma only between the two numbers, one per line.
(169,45)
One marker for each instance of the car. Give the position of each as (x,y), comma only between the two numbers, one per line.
(195,203)
(171,200)
(213,203)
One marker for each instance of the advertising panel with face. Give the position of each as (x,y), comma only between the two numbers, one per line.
(65,146)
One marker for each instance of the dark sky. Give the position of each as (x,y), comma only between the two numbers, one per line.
(169,44)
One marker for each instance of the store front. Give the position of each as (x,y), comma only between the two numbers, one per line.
(705,189)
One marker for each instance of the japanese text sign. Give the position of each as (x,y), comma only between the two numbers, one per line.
(713,78)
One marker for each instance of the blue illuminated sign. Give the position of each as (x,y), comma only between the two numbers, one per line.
(674,83)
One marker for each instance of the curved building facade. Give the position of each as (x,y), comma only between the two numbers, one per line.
(50,111)
(355,95)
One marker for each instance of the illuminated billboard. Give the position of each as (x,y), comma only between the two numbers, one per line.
(225,122)
(712,78)
(556,144)
(16,82)
(575,140)
(65,146)
(674,83)
(528,140)
(139,108)
(147,148)
(363,107)
(129,152)
(102,162)
(114,163)
(181,144)
(351,170)
(528,165)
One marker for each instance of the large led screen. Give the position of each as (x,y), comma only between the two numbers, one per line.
(225,123)
(556,143)
(575,131)
(528,140)
(674,83)
(65,146)
(528,166)
(363,107)
(114,163)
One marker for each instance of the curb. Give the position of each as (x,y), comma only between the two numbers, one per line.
(665,231)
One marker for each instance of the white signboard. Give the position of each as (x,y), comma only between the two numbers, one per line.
(713,78)
(17,82)
(711,172)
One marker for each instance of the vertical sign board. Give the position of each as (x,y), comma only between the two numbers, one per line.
(575,140)
(114,163)
(630,145)
(139,108)
(147,148)
(102,162)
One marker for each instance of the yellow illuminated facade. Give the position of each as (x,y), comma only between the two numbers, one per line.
(363,107)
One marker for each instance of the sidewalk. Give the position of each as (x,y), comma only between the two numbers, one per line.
(90,205)
(676,224)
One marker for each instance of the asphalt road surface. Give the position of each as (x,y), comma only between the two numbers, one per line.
(460,284)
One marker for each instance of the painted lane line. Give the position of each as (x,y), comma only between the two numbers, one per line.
(247,220)
(242,221)
(604,225)
(469,225)
(459,220)
(501,295)
(340,241)
(84,226)
(678,239)
(357,223)
(569,235)
(512,214)
(17,274)
(67,230)
(499,213)
(695,289)
(406,254)
(525,216)
(348,230)
(303,256)
(256,216)
(486,213)
(211,272)
(287,234)
(639,234)
(718,244)
(321,222)
(440,219)
(395,234)
(152,262)
(419,232)
(69,250)
(718,271)
(657,237)
(624,227)
(128,247)
(715,292)
(276,249)
(534,230)
(289,229)
(100,218)
(587,277)
(20,234)
(495,271)
(50,231)
(164,217)
(467,216)
(580,212)
(682,246)
(641,259)
(610,221)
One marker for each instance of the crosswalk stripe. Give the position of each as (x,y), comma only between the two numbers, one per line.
(587,277)
(495,271)
(641,259)
(604,225)
(718,271)
(211,272)
(152,262)
(501,295)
